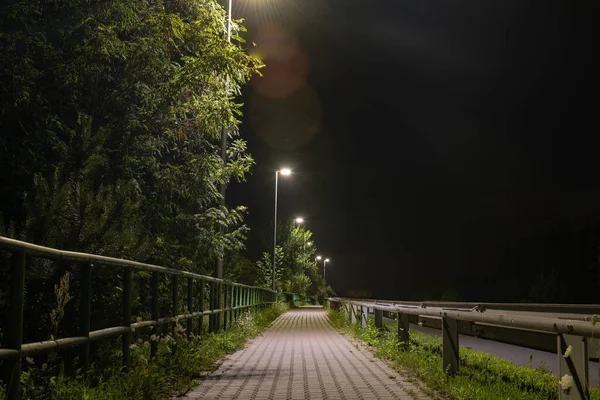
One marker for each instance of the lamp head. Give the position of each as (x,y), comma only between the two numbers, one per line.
(319,257)
(285,171)
(327,260)
(299,220)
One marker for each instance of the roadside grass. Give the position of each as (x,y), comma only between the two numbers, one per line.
(174,371)
(480,377)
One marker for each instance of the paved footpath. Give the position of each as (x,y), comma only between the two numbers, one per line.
(302,357)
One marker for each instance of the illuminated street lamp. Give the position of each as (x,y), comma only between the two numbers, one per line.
(223,186)
(285,172)
(299,220)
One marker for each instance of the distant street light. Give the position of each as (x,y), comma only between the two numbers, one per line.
(318,258)
(299,220)
(285,172)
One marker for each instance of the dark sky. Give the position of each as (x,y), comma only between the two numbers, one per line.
(428,137)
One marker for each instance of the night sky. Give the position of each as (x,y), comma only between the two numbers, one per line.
(427,137)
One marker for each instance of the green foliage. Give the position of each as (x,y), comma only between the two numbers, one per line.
(111,114)
(296,268)
(480,376)
(110,121)
(175,369)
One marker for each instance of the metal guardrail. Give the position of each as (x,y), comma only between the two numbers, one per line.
(226,302)
(568,331)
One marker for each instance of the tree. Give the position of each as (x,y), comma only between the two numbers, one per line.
(110,121)
(296,268)
(123,98)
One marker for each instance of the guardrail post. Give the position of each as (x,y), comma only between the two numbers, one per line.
(378,319)
(201,307)
(127,315)
(13,338)
(190,306)
(403,326)
(353,311)
(174,300)
(364,314)
(154,311)
(450,345)
(576,365)
(84,314)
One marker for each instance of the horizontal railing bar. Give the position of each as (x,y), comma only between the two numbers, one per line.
(47,252)
(9,354)
(533,307)
(63,343)
(544,324)
(47,345)
(109,332)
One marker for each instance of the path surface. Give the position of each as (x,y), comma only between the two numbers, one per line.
(302,357)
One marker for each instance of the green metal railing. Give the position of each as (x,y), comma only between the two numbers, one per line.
(227,301)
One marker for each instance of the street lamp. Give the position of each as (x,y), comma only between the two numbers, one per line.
(299,220)
(223,186)
(285,172)
(324,268)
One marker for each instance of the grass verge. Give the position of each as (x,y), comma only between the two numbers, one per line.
(481,376)
(174,371)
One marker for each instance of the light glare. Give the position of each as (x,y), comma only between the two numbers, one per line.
(285,171)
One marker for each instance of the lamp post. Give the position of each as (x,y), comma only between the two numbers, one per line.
(284,172)
(324,269)
(223,186)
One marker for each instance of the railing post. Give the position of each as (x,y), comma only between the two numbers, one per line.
(403,326)
(127,315)
(190,305)
(13,339)
(236,299)
(219,305)
(154,311)
(84,314)
(231,305)
(201,307)
(214,318)
(244,299)
(450,345)
(211,306)
(225,306)
(352,314)
(378,319)
(174,297)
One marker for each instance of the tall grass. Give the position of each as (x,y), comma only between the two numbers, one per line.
(174,371)
(480,377)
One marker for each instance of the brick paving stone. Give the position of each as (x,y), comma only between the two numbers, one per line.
(302,357)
